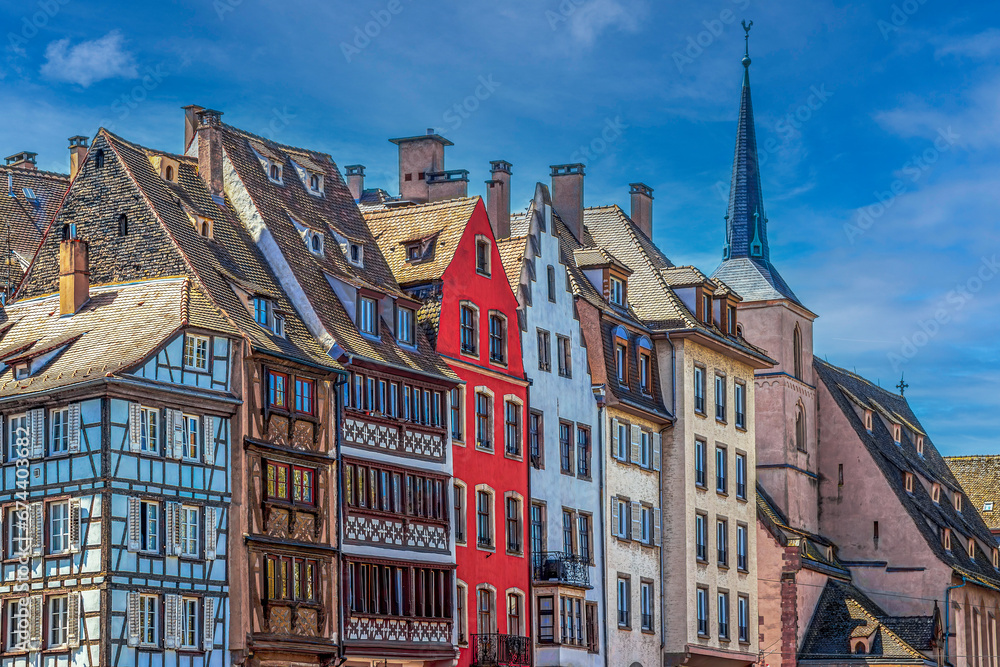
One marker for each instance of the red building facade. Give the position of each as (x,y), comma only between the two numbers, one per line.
(445,254)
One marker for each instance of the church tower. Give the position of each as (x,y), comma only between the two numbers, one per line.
(772,318)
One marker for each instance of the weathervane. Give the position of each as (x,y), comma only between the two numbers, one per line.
(902,385)
(746,29)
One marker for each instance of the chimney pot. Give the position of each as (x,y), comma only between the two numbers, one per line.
(190,124)
(77,154)
(498,198)
(356,180)
(419,156)
(210,151)
(24,160)
(74,274)
(442,185)
(642,207)
(567,195)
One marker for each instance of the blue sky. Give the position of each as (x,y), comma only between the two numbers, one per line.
(878,125)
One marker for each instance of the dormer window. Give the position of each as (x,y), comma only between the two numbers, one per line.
(274,173)
(621,355)
(262,311)
(645,365)
(315,184)
(21,371)
(706,308)
(936,492)
(404,325)
(368,316)
(356,254)
(412,252)
(482,256)
(996,557)
(204,227)
(279,326)
(868,420)
(168,173)
(988,506)
(908,481)
(731,320)
(920,445)
(972,548)
(897,433)
(958,502)
(946,538)
(616,291)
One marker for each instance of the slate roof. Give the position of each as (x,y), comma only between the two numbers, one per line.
(980,478)
(814,547)
(512,254)
(444,222)
(26,219)
(755,280)
(374,198)
(894,460)
(844,613)
(337,216)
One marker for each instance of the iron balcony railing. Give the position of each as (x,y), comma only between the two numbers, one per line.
(496,650)
(563,568)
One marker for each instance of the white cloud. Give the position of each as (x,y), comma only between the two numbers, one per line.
(89,62)
(593,17)
(980,45)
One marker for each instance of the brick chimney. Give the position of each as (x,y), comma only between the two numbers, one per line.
(356,180)
(419,156)
(77,154)
(190,124)
(498,198)
(442,185)
(210,151)
(24,160)
(567,195)
(74,274)
(642,207)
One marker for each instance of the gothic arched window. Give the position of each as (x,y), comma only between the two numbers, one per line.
(797,352)
(800,428)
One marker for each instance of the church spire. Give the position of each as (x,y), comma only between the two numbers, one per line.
(746,223)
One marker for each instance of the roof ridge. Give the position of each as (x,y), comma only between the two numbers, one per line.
(397,210)
(54,175)
(285,147)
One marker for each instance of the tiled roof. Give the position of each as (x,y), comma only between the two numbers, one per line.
(587,258)
(374,198)
(336,213)
(27,219)
(894,460)
(683,276)
(96,343)
(512,257)
(980,478)
(443,221)
(844,613)
(813,547)
(755,280)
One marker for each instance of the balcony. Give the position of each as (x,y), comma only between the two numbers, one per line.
(496,650)
(561,568)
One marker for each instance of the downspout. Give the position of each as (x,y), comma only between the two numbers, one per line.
(338,442)
(947,614)
(673,413)
(600,397)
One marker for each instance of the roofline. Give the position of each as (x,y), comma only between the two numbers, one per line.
(419,137)
(784,301)
(711,342)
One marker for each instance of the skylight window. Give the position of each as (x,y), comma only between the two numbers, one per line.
(988,506)
(29,194)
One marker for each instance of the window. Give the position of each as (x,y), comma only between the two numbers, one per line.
(566,448)
(583,538)
(646,523)
(498,338)
(544,358)
(17,532)
(699,463)
(624,603)
(645,449)
(972,548)
(404,326)
(743,618)
(619,517)
(721,485)
(621,363)
(567,529)
(800,428)
(262,311)
(486,611)
(546,620)
(645,370)
(515,614)
(468,329)
(535,426)
(958,502)
(513,428)
(149,632)
(741,476)
(459,503)
(731,320)
(460,615)
(483,257)
(314,182)
(616,291)
(192,431)
(189,623)
(149,526)
(484,420)
(189,531)
(60,426)
(868,420)
(58,620)
(18,437)
(563,349)
(484,519)
(537,529)
(149,419)
(702,604)
(196,352)
(920,445)
(740,399)
(99,159)
(908,481)
(277,390)
(723,615)
(646,604)
(550,273)
(457,421)
(797,352)
(722,542)
(592,631)
(720,398)
(706,308)
(701,537)
(357,255)
(367,320)
(275,173)
(620,434)
(582,451)
(122,224)
(305,391)
(513,525)
(699,389)
(59,521)
(741,548)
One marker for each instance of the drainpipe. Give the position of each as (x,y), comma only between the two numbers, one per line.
(338,442)
(673,413)
(599,396)
(947,614)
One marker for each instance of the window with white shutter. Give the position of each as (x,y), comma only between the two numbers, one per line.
(73,620)
(615,517)
(134,619)
(657,445)
(636,437)
(636,511)
(209,633)
(36,432)
(134,523)
(36,530)
(209,446)
(134,427)
(35,622)
(74,525)
(615,444)
(171,628)
(211,532)
(656,526)
(73,428)
(172,539)
(175,444)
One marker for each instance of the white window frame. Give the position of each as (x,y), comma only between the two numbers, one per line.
(725,628)
(149,430)
(646,604)
(368,316)
(196,352)
(405,329)
(188,623)
(61,537)
(149,522)
(621,530)
(57,621)
(616,291)
(192,429)
(18,423)
(701,609)
(186,528)
(624,605)
(17,531)
(59,428)
(149,620)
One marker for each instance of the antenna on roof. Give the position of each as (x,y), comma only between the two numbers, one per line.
(902,385)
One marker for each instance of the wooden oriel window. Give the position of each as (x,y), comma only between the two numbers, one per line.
(290,483)
(277,390)
(292,579)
